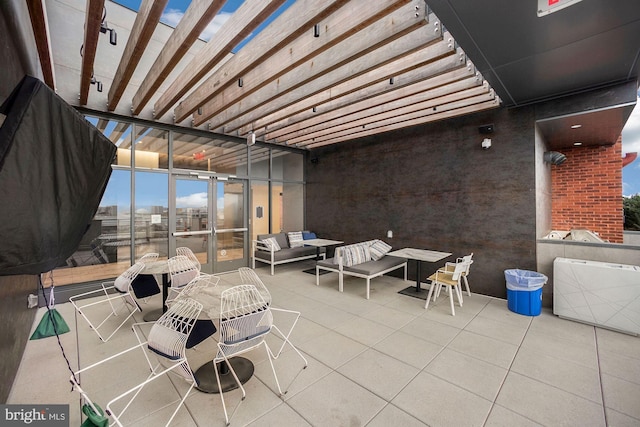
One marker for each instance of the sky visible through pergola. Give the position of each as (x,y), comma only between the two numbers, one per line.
(176,8)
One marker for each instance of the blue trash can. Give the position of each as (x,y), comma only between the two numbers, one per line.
(524,291)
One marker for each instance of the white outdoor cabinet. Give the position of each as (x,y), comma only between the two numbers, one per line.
(598,293)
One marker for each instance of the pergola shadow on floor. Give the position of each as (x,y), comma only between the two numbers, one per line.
(377,362)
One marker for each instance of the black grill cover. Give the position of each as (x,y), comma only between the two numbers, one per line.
(54,168)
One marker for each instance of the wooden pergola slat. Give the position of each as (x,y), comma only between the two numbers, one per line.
(244,20)
(196,18)
(420,64)
(93,20)
(309,79)
(399,109)
(469,106)
(414,95)
(40,26)
(143,28)
(335,29)
(298,18)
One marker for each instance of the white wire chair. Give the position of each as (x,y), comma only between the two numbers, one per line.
(184,251)
(182,271)
(245,321)
(203,328)
(149,257)
(166,343)
(248,276)
(118,291)
(446,277)
(146,285)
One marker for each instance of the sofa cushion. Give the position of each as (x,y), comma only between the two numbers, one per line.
(289,253)
(281,238)
(307,235)
(272,243)
(295,239)
(379,249)
(355,254)
(374,267)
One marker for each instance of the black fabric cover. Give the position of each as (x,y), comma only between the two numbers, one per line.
(54,168)
(145,285)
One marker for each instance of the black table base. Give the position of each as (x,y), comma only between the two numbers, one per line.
(412,292)
(206,375)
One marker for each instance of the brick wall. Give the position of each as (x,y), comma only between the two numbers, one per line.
(587,191)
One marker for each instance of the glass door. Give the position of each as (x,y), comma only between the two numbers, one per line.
(210,218)
(231,230)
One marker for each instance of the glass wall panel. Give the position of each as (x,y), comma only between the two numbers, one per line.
(259,162)
(287,165)
(152,214)
(151,148)
(292,207)
(259,208)
(203,153)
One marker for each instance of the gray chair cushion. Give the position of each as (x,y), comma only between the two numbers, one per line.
(374,267)
(281,238)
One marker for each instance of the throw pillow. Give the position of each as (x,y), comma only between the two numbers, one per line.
(272,243)
(307,235)
(355,254)
(379,249)
(295,239)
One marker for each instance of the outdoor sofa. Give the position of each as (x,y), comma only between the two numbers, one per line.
(290,248)
(366,260)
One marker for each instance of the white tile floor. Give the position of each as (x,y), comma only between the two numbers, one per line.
(379,362)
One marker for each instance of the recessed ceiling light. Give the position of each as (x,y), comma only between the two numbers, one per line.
(576,126)
(577,143)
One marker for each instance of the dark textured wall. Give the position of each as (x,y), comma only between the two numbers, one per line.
(18,58)
(435,188)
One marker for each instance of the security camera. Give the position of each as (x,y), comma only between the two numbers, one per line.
(486,143)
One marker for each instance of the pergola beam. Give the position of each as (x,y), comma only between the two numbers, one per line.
(298,54)
(432,100)
(143,27)
(472,105)
(412,98)
(244,20)
(196,18)
(92,23)
(298,18)
(418,65)
(384,41)
(40,26)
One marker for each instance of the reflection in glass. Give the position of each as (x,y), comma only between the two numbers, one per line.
(260,208)
(287,165)
(151,216)
(192,201)
(259,162)
(204,153)
(230,215)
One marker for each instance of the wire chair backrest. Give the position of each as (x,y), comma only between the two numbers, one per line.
(123,281)
(245,319)
(248,276)
(149,257)
(182,270)
(184,251)
(168,336)
(203,281)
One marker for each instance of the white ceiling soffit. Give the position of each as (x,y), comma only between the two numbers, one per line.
(322,72)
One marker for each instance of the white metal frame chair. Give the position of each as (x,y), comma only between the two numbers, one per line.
(182,271)
(446,277)
(149,257)
(250,277)
(184,251)
(166,343)
(245,321)
(119,290)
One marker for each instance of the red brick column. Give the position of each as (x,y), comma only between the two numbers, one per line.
(587,191)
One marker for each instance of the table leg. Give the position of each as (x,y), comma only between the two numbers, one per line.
(154,315)
(206,376)
(418,274)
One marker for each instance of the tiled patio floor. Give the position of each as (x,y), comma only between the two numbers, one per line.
(379,362)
